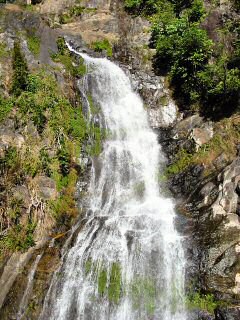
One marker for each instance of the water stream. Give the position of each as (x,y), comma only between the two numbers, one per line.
(28,291)
(128,261)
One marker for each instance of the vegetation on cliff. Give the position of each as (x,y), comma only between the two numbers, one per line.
(203,73)
(53,132)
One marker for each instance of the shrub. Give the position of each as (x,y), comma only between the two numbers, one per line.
(3,51)
(220,89)
(74,67)
(20,68)
(183,51)
(64,208)
(141,6)
(101,46)
(205,302)
(19,238)
(75,11)
(6,106)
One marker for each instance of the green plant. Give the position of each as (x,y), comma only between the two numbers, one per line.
(20,68)
(11,158)
(45,162)
(225,139)
(15,209)
(3,51)
(6,106)
(184,51)
(205,302)
(19,238)
(64,159)
(115,284)
(74,67)
(183,160)
(102,281)
(31,163)
(94,109)
(97,135)
(101,46)
(220,89)
(34,44)
(61,45)
(65,18)
(141,7)
(33,105)
(73,12)
(64,208)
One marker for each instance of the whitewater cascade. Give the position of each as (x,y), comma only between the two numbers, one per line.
(127,262)
(28,291)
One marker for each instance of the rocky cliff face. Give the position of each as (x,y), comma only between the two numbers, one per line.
(211,204)
(203,170)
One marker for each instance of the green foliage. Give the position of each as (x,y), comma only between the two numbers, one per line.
(64,208)
(11,159)
(183,160)
(183,51)
(45,162)
(183,48)
(205,302)
(62,48)
(224,141)
(15,209)
(141,6)
(94,109)
(65,18)
(236,4)
(19,238)
(75,68)
(40,95)
(196,12)
(74,12)
(6,106)
(150,7)
(20,76)
(39,99)
(109,281)
(3,51)
(64,159)
(114,289)
(81,68)
(34,44)
(102,281)
(220,89)
(102,46)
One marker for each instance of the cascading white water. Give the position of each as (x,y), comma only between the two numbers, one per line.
(28,291)
(127,262)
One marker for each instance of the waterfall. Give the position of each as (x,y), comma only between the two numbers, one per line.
(128,261)
(28,291)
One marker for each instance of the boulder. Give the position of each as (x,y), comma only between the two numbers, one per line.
(228,313)
(46,188)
